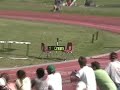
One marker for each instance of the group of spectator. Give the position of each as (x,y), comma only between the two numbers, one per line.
(52,81)
(89,78)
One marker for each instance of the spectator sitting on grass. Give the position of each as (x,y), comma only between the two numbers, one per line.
(104,82)
(40,81)
(23,82)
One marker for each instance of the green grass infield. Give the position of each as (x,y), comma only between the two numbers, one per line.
(38,32)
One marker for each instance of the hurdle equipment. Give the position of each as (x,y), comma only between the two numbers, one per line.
(9,43)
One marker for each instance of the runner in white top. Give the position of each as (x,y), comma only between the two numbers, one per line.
(86,76)
(113,69)
(54,79)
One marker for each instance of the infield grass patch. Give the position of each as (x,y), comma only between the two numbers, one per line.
(38,32)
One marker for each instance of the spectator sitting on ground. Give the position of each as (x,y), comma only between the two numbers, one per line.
(40,81)
(23,82)
(54,79)
(103,80)
(85,75)
(113,69)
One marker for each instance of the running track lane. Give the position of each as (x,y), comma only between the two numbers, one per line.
(106,23)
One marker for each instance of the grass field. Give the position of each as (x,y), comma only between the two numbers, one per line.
(37,32)
(105,7)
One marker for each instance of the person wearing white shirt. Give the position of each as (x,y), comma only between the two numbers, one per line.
(39,83)
(4,79)
(85,75)
(54,79)
(23,82)
(113,69)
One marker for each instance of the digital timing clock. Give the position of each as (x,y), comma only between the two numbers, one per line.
(56,48)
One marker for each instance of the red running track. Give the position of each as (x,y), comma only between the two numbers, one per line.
(104,23)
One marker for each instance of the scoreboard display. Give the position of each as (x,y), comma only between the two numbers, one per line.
(56,48)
